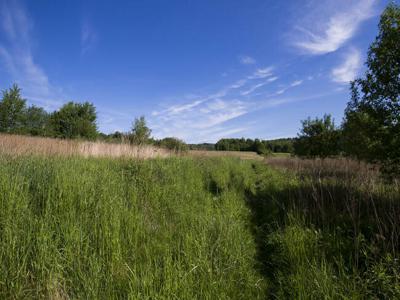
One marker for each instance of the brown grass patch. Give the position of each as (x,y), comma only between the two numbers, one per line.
(26,145)
(239,154)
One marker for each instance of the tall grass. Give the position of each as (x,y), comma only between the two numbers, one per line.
(76,228)
(26,145)
(328,229)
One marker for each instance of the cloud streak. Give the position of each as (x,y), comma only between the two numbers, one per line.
(88,36)
(348,70)
(328,33)
(216,115)
(17,56)
(247,60)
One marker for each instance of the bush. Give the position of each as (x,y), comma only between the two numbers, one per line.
(174,144)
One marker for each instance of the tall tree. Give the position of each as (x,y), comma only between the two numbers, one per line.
(140,133)
(12,110)
(75,120)
(318,138)
(372,120)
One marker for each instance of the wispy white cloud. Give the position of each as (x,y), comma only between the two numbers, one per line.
(262,73)
(213,116)
(246,60)
(348,70)
(200,121)
(327,32)
(253,88)
(209,117)
(88,36)
(238,84)
(17,56)
(289,86)
(296,83)
(258,85)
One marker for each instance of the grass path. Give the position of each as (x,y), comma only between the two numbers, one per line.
(102,228)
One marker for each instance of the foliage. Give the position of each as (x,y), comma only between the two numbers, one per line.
(318,137)
(202,146)
(140,133)
(372,122)
(75,120)
(259,146)
(280,145)
(174,144)
(12,110)
(37,121)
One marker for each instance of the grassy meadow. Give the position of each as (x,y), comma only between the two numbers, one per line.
(106,228)
(74,227)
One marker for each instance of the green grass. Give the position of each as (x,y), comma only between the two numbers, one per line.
(156,229)
(181,228)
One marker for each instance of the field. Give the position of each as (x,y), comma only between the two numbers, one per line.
(195,227)
(238,154)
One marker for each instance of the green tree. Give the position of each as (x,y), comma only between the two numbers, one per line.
(259,147)
(36,121)
(174,144)
(12,110)
(140,133)
(75,120)
(318,137)
(371,126)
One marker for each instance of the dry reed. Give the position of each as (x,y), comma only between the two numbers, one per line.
(25,145)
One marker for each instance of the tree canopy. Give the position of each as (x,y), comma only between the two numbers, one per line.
(140,133)
(371,126)
(318,137)
(12,110)
(75,120)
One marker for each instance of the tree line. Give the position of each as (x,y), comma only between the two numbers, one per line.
(72,121)
(256,145)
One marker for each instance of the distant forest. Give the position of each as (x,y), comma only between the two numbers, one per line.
(260,146)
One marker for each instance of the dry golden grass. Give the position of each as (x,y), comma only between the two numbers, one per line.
(25,145)
(240,154)
(328,167)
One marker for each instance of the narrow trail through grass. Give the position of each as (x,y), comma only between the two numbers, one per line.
(104,228)
(191,228)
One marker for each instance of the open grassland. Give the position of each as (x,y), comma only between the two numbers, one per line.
(196,228)
(239,154)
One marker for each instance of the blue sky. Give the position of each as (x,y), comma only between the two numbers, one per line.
(198,70)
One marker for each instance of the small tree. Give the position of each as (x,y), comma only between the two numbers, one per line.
(12,110)
(75,120)
(140,133)
(318,137)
